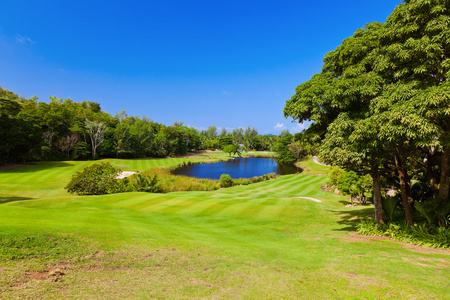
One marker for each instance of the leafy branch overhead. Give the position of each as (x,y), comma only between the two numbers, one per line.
(381,104)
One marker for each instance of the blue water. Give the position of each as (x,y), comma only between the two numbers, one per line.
(246,167)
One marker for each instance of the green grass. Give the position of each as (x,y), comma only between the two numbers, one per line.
(311,168)
(247,242)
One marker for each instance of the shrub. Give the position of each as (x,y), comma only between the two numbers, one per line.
(336,175)
(434,211)
(147,184)
(123,185)
(419,234)
(97,179)
(389,205)
(225,180)
(348,184)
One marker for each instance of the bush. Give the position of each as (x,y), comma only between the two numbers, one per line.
(97,179)
(147,184)
(123,185)
(225,180)
(419,234)
(336,175)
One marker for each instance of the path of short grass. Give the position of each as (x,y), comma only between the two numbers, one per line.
(246,242)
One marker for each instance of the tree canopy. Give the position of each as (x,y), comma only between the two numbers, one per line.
(381,104)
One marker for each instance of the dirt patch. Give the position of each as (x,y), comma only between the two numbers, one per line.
(50,274)
(429,260)
(10,166)
(314,239)
(422,265)
(99,254)
(351,274)
(95,255)
(356,237)
(426,250)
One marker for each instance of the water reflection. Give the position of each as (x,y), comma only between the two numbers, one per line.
(246,167)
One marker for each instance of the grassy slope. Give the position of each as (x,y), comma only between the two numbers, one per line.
(256,241)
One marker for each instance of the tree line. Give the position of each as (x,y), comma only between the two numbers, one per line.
(64,129)
(381,106)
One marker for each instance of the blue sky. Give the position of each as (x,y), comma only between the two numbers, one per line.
(224,63)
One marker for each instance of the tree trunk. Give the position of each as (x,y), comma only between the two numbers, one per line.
(430,174)
(94,147)
(377,193)
(445,172)
(405,188)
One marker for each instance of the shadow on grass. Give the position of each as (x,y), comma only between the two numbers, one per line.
(33,167)
(351,218)
(4,200)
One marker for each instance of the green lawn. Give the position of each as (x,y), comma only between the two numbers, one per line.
(248,242)
(311,168)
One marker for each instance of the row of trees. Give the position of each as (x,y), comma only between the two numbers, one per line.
(381,105)
(64,129)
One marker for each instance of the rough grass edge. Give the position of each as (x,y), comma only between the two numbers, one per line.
(418,234)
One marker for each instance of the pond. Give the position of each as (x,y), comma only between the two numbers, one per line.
(245,167)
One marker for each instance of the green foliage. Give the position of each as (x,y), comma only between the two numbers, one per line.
(225,141)
(143,183)
(9,107)
(434,211)
(352,184)
(418,234)
(383,97)
(225,180)
(123,185)
(336,175)
(72,130)
(349,183)
(285,155)
(389,205)
(97,179)
(232,149)
(246,181)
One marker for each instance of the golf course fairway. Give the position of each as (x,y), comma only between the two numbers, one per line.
(260,241)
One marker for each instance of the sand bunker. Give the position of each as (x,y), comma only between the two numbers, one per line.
(124,174)
(309,198)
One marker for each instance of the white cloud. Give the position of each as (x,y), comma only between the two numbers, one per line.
(23,39)
(229,129)
(280,126)
(299,127)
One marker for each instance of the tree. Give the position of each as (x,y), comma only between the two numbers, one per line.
(285,156)
(68,143)
(9,107)
(416,53)
(382,99)
(223,132)
(232,149)
(238,135)
(97,179)
(96,131)
(225,141)
(211,132)
(296,149)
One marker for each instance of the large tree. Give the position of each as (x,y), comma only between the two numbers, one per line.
(96,131)
(382,99)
